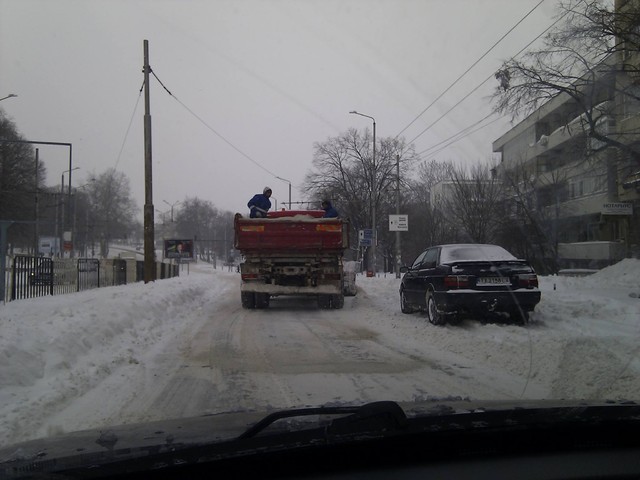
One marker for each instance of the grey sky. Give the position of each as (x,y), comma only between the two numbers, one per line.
(271,76)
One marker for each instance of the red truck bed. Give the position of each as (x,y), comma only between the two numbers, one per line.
(290,232)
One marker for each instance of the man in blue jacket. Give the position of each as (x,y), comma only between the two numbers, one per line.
(329,211)
(260,204)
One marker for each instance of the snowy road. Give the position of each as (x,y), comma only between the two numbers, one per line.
(185,347)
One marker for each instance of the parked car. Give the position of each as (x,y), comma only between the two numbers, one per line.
(453,281)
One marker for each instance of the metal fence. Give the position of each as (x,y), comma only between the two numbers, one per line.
(32,277)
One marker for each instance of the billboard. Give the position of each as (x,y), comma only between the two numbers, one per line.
(178,248)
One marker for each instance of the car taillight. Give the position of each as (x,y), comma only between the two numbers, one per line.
(456,281)
(528,280)
(249,276)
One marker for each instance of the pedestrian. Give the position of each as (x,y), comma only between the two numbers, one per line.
(329,211)
(260,204)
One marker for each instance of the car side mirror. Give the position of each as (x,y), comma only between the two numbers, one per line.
(404,269)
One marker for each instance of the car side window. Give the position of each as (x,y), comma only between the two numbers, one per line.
(418,261)
(431,258)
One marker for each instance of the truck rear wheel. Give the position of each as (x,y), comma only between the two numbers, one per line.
(262,300)
(324,301)
(248,299)
(337,301)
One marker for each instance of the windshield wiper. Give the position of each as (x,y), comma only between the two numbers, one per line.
(374,416)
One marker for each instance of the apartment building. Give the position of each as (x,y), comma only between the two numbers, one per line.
(588,191)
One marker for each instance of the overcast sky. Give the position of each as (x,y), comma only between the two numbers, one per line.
(270,76)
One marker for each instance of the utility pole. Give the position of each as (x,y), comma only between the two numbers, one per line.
(149,236)
(37,213)
(398,254)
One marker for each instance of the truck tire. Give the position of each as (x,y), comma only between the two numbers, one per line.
(324,301)
(337,301)
(262,300)
(248,299)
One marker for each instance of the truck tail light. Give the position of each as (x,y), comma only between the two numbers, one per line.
(249,276)
(456,281)
(528,280)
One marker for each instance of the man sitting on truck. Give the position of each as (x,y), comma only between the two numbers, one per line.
(329,211)
(260,204)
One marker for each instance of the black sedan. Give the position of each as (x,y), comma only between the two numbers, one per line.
(452,281)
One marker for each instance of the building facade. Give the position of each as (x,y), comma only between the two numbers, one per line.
(586,191)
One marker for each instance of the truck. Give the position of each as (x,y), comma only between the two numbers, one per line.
(291,252)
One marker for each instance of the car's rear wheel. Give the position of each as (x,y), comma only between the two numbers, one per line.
(434,316)
(405,307)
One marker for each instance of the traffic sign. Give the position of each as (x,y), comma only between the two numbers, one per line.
(398,223)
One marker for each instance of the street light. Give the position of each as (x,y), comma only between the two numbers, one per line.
(171,205)
(11,95)
(68,210)
(289,182)
(373,202)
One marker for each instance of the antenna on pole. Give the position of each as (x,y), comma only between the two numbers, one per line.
(149,236)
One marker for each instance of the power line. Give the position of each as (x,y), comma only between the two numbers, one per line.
(487,79)
(462,133)
(430,151)
(469,69)
(219,135)
(126,135)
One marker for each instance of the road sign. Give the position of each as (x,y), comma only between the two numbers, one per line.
(365,237)
(398,223)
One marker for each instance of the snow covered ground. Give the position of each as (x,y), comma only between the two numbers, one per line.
(184,346)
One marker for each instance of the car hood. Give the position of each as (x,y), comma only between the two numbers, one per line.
(98,447)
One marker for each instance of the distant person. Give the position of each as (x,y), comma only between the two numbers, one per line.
(329,211)
(260,204)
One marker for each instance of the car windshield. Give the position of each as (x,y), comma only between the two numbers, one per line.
(211,207)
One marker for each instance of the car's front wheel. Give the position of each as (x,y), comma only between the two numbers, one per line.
(405,307)
(434,316)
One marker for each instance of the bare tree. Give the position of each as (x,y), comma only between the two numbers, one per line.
(474,203)
(345,172)
(428,225)
(112,209)
(584,60)
(531,215)
(19,183)
(196,220)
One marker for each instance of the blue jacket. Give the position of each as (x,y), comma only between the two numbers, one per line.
(259,206)
(330,212)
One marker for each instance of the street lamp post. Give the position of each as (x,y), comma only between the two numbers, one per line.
(11,95)
(374,240)
(289,182)
(171,205)
(62,223)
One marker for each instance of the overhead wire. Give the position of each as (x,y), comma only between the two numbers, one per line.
(126,135)
(486,79)
(474,127)
(218,134)
(469,69)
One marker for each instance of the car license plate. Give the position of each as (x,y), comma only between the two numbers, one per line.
(493,281)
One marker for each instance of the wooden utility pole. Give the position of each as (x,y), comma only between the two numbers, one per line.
(149,236)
